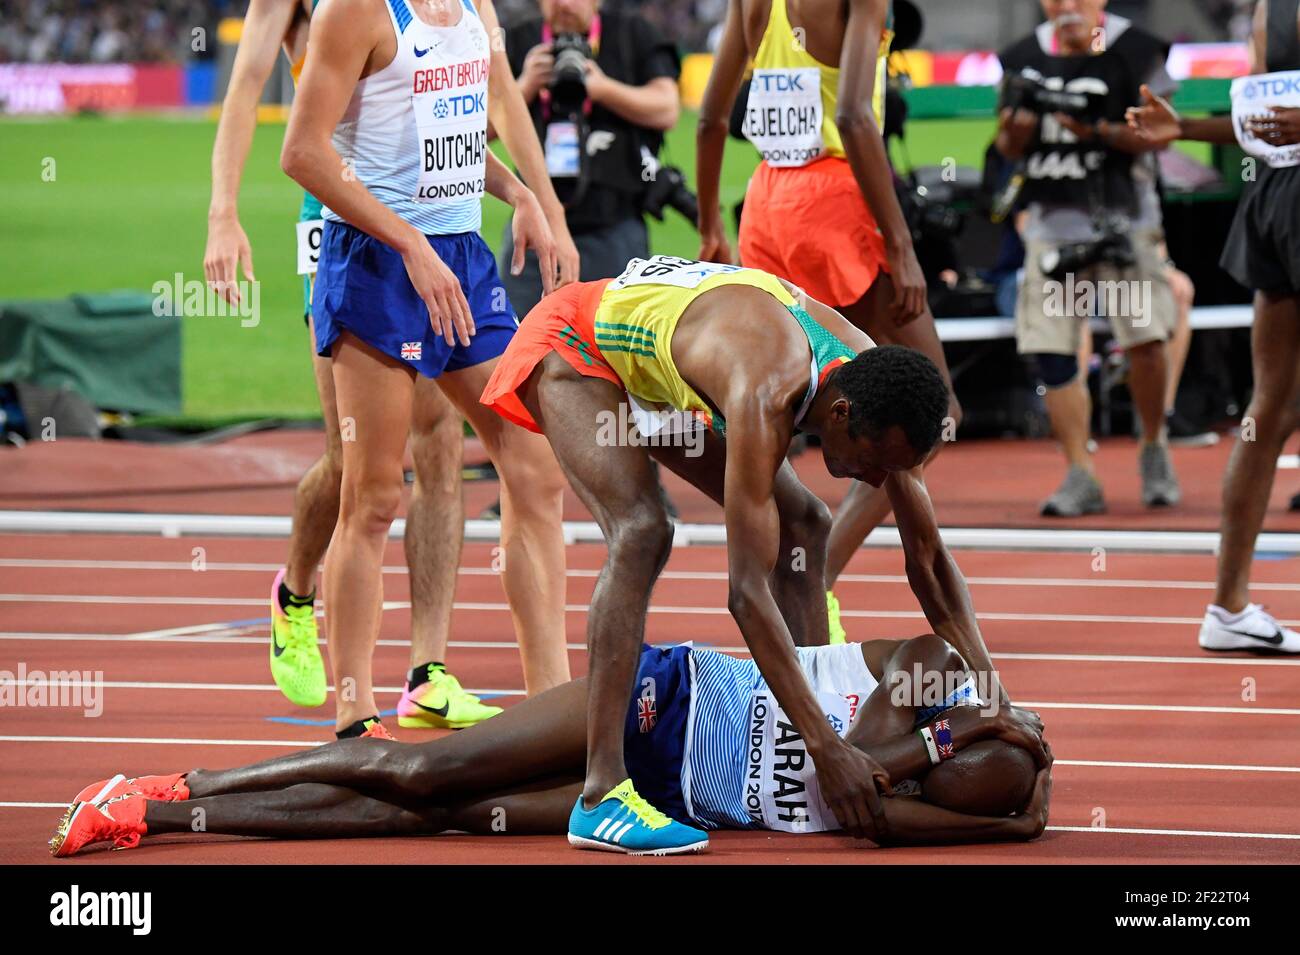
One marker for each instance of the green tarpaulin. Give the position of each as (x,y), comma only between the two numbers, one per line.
(110,348)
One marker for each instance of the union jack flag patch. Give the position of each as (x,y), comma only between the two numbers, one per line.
(411,351)
(645,713)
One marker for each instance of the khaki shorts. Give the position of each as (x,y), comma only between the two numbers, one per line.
(1137,301)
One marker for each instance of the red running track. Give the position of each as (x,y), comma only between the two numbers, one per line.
(1157,743)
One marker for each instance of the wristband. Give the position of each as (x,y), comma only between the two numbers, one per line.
(928,738)
(943,740)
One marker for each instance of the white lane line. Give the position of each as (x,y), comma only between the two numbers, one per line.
(493,607)
(1205,767)
(55,682)
(1135,658)
(1178,832)
(189,741)
(276,526)
(1160,708)
(487,691)
(231,637)
(1114,830)
(1109,829)
(223,634)
(162,741)
(1096,581)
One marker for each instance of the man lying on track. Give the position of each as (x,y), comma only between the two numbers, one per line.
(704,738)
(750,360)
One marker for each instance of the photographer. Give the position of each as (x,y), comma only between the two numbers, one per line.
(1091,236)
(602,88)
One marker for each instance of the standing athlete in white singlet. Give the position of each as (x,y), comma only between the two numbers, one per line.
(389,131)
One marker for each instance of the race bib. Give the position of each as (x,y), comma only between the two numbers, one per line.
(563,158)
(669,270)
(450,103)
(781,789)
(783,116)
(309,238)
(1252,98)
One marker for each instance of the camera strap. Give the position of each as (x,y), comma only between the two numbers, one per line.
(593,41)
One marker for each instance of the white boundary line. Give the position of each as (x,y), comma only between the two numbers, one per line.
(489,606)
(221,525)
(299,744)
(224,634)
(1098,829)
(490,691)
(1178,832)
(1099,580)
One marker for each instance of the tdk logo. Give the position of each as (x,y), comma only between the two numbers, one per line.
(455,106)
(1284,85)
(780,82)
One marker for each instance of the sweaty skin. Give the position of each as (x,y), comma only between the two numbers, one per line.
(528,761)
(759,393)
(768,512)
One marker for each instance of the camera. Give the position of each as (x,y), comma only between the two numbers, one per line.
(1029,92)
(1113,248)
(666,186)
(926,217)
(568,84)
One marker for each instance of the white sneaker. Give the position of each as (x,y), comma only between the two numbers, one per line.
(1252,629)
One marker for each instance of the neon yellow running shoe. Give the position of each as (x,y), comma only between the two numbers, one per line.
(833,612)
(441,703)
(296,665)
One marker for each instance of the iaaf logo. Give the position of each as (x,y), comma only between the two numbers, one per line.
(455,106)
(74,907)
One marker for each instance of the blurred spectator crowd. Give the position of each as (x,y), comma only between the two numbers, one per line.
(116,31)
(110,31)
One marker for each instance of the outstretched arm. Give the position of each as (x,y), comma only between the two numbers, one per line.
(934,576)
(1158,122)
(711,134)
(755,450)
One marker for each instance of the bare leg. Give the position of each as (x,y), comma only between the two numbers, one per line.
(374,399)
(1181,339)
(617,483)
(532,533)
(316,500)
(321,811)
(1272,416)
(1148,368)
(435,521)
(865,507)
(1070,410)
(544,735)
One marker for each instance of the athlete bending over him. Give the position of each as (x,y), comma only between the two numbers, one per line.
(704,737)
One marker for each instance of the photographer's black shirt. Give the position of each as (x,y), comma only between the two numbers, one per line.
(1061,172)
(632,51)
